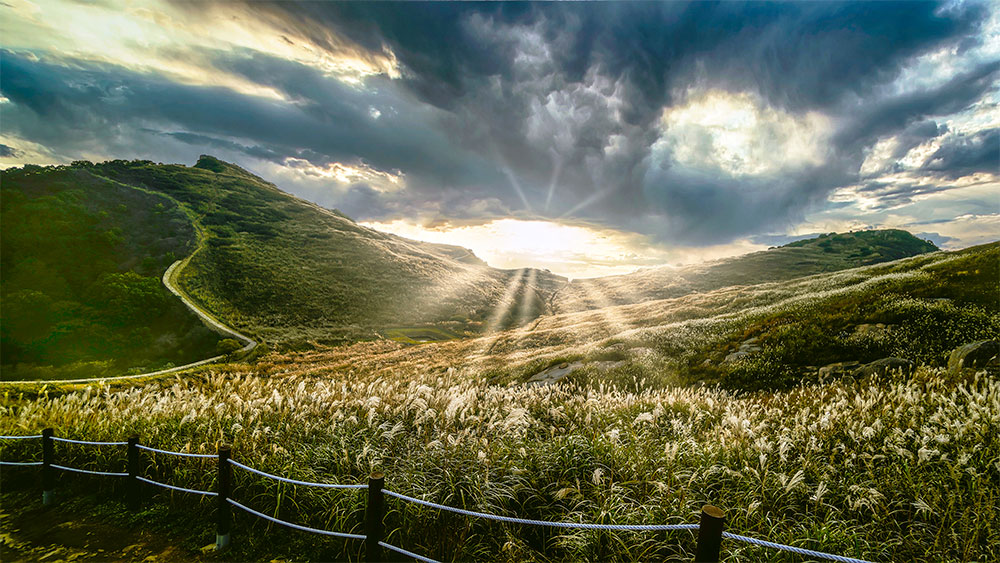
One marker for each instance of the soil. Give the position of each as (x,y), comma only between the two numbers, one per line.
(65,532)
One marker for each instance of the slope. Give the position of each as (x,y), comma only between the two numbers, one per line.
(917,309)
(826,253)
(81,265)
(294,273)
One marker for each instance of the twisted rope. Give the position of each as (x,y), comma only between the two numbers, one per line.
(168,452)
(410,554)
(86,443)
(294,481)
(295,526)
(181,489)
(88,472)
(512,520)
(799,550)
(20,463)
(20,437)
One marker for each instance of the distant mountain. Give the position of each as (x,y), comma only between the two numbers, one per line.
(262,260)
(825,253)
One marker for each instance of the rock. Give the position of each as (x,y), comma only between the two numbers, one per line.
(747,347)
(735,356)
(838,369)
(984,354)
(554,373)
(884,366)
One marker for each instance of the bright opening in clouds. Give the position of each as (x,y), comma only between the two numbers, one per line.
(574,251)
(636,131)
(739,135)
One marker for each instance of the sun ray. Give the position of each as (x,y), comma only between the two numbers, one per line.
(517,186)
(590,200)
(556,172)
(613,321)
(524,315)
(500,311)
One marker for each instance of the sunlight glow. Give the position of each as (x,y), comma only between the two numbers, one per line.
(180,40)
(738,134)
(571,250)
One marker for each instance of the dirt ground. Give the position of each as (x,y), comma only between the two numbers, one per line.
(65,532)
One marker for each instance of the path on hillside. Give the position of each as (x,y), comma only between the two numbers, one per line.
(213,323)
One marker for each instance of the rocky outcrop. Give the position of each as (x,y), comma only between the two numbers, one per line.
(838,369)
(885,366)
(558,372)
(984,354)
(747,347)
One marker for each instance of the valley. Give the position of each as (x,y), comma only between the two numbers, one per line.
(812,390)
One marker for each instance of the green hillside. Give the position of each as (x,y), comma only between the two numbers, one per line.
(917,309)
(81,264)
(268,263)
(826,253)
(295,273)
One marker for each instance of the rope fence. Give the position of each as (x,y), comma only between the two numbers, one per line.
(89,472)
(710,529)
(295,481)
(577,525)
(179,454)
(409,554)
(176,488)
(295,526)
(793,549)
(86,443)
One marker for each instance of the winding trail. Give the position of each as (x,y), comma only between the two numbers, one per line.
(168,280)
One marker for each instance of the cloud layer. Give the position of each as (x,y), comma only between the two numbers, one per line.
(690,124)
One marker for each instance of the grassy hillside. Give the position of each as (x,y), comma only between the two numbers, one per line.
(294,272)
(826,253)
(81,264)
(892,467)
(927,305)
(283,268)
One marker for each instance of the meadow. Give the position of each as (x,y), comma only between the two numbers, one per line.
(888,467)
(892,469)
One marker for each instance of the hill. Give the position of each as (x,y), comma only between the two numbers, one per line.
(261,260)
(294,272)
(826,253)
(81,263)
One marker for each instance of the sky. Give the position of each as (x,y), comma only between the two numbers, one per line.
(588,139)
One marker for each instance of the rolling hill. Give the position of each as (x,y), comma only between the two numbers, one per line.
(268,263)
(825,253)
(82,258)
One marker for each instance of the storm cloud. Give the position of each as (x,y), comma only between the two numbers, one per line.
(692,123)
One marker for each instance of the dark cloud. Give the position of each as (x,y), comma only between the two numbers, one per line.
(534,109)
(964,155)
(7,151)
(256,151)
(887,116)
(917,134)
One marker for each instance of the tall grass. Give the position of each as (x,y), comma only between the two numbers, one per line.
(892,469)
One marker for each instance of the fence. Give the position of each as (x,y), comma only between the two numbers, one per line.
(711,527)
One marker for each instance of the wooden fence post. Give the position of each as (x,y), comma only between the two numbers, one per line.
(48,477)
(374,516)
(224,513)
(132,490)
(710,528)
